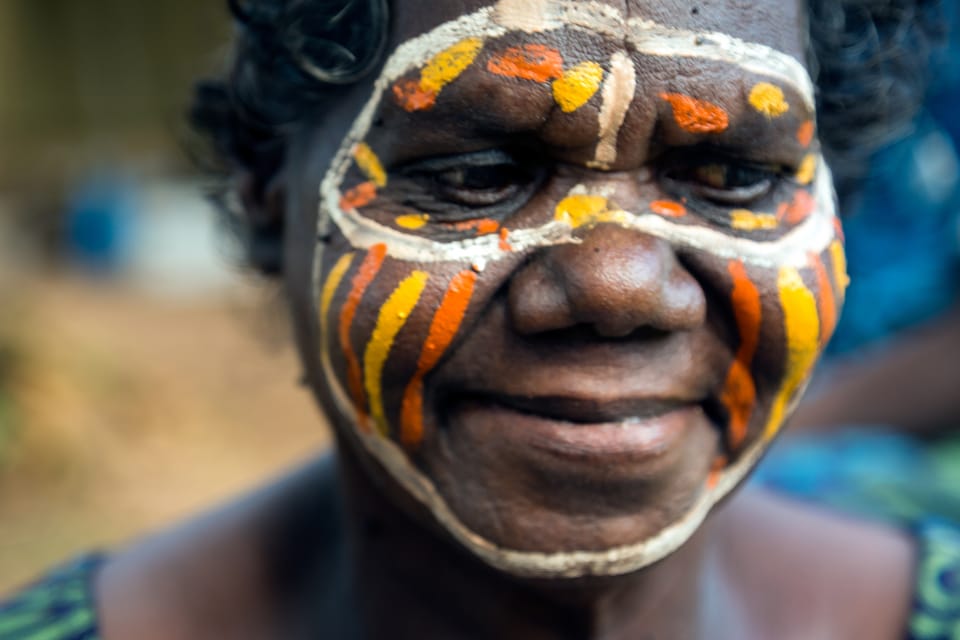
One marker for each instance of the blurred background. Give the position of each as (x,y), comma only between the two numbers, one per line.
(143,374)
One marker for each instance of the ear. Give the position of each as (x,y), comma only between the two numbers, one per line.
(263,205)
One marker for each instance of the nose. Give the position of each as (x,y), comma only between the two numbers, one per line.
(617,281)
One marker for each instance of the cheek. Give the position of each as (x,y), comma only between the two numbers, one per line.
(385,326)
(784,318)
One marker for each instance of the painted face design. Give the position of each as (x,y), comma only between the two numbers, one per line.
(423,233)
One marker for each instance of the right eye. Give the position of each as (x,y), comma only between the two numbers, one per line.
(723,182)
(473,181)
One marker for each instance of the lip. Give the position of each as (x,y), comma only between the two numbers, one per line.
(626,435)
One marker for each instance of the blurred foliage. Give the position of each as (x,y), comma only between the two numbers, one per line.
(84,83)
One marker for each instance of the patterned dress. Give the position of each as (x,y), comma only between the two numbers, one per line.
(62,606)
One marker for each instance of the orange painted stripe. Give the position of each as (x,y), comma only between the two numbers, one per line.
(828,301)
(668,208)
(505,239)
(740,394)
(368,270)
(443,329)
(360,196)
(716,471)
(697,116)
(535,62)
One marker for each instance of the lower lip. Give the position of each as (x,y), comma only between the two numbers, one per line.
(631,442)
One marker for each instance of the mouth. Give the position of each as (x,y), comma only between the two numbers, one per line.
(630,436)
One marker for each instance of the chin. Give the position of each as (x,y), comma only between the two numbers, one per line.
(556,509)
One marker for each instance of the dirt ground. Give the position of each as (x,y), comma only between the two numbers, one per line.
(120,413)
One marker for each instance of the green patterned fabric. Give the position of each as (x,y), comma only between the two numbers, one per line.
(936,605)
(61,606)
(58,607)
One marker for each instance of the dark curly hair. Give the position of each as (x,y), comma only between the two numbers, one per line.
(869,59)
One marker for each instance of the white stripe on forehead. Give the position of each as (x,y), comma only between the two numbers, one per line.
(814,234)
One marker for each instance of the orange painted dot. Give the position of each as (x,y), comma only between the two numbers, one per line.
(360,196)
(805,133)
(697,116)
(504,243)
(668,208)
(484,226)
(535,62)
(799,209)
(411,96)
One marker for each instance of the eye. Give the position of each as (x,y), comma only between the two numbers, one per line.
(722,182)
(475,180)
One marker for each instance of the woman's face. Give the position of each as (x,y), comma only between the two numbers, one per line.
(576,261)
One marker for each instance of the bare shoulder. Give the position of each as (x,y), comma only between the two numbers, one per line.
(225,574)
(807,572)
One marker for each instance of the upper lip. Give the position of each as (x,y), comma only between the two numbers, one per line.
(590,410)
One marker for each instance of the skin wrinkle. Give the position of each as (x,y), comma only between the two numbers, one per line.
(789,251)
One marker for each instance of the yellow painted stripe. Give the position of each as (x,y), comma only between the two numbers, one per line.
(839,259)
(370,164)
(802,330)
(393,315)
(329,290)
(447,65)
(808,169)
(577,85)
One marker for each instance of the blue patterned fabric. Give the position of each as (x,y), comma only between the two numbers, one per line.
(60,606)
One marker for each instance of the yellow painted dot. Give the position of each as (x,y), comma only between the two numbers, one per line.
(577,85)
(446,66)
(769,100)
(808,169)
(412,221)
(580,209)
(746,220)
(369,164)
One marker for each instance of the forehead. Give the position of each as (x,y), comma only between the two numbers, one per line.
(780,24)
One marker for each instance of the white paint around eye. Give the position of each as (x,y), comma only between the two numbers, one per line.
(814,234)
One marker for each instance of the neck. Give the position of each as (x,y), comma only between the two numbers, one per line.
(416,582)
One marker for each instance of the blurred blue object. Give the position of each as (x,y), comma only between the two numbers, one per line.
(903,241)
(100,217)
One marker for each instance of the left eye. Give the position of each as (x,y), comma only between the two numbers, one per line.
(474,180)
(724,183)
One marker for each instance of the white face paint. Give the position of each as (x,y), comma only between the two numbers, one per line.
(814,234)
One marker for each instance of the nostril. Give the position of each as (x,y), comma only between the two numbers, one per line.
(616,281)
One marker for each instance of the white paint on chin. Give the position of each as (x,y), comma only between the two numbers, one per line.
(531,564)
